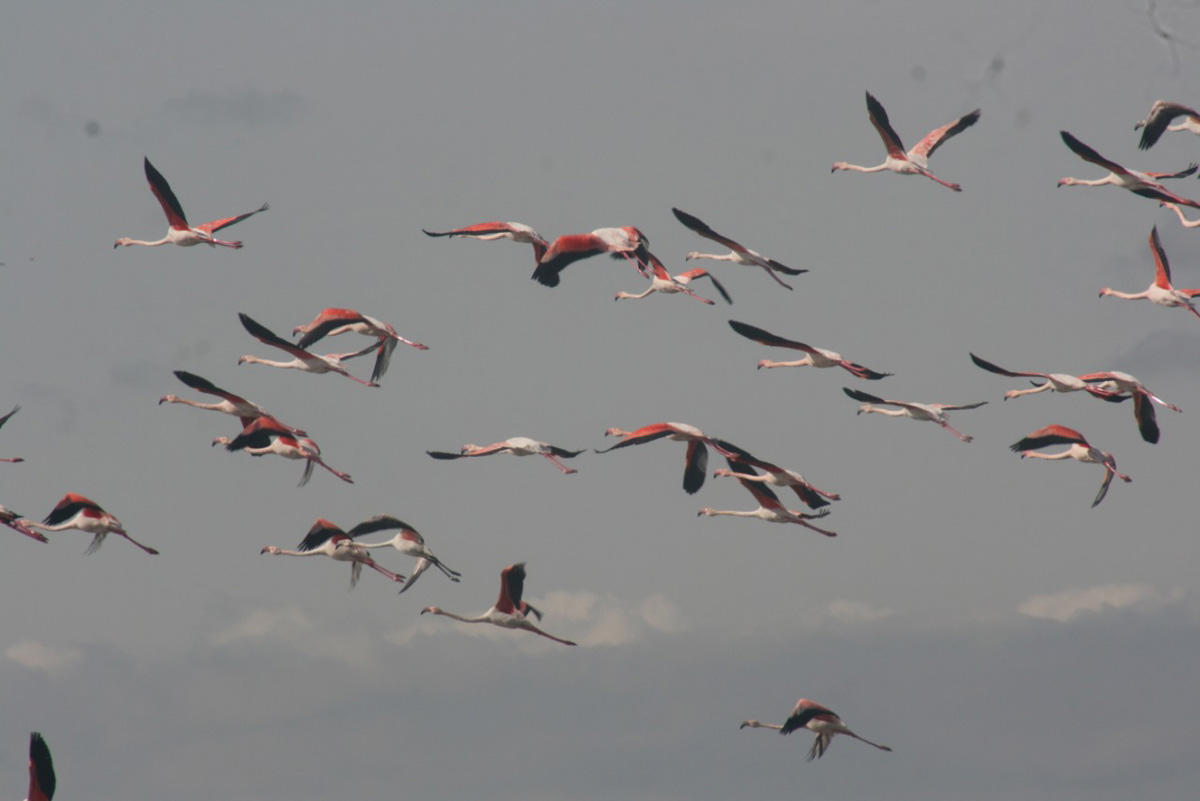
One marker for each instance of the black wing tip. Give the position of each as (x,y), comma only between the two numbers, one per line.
(443,454)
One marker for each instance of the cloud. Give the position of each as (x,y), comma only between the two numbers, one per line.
(294,629)
(248,107)
(844,611)
(39,656)
(1069,604)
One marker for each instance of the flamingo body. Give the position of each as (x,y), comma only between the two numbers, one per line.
(517,446)
(1161,292)
(933,412)
(1158,121)
(487,231)
(627,242)
(509,611)
(1140,183)
(74,511)
(408,541)
(324,538)
(1078,448)
(816,357)
(812,716)
(738,253)
(265,434)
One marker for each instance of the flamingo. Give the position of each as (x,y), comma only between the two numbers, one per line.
(230,403)
(934,412)
(1159,121)
(769,506)
(1161,291)
(626,242)
(487,231)
(1055,382)
(3,420)
(695,460)
(326,539)
(1143,399)
(742,464)
(810,715)
(1183,220)
(1080,450)
(41,769)
(509,611)
(18,523)
(331,322)
(265,434)
(77,512)
(304,361)
(408,541)
(817,357)
(179,232)
(517,446)
(663,281)
(1140,183)
(737,253)
(916,160)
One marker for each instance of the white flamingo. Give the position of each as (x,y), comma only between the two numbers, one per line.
(509,611)
(933,412)
(1140,183)
(816,357)
(265,434)
(1079,449)
(83,514)
(303,361)
(517,446)
(326,539)
(408,541)
(769,508)
(738,254)
(1161,291)
(1159,120)
(810,715)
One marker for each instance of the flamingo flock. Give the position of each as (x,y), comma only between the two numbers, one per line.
(262,433)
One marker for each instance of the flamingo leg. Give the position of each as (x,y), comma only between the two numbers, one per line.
(554,460)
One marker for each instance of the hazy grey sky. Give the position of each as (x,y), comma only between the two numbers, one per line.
(974,613)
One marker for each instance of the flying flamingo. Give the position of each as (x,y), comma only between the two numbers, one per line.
(4,420)
(487,231)
(1140,183)
(663,281)
(265,434)
(18,523)
(77,512)
(326,539)
(1159,121)
(408,542)
(742,464)
(509,611)
(517,446)
(1055,382)
(179,232)
(916,160)
(1143,399)
(331,322)
(304,361)
(695,460)
(42,780)
(1080,450)
(626,242)
(816,718)
(769,506)
(737,253)
(230,403)
(1184,221)
(817,357)
(933,412)
(1161,291)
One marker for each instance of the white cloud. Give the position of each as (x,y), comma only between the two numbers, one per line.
(262,624)
(844,611)
(39,656)
(1069,604)
(290,626)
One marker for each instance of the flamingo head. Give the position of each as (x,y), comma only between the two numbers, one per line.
(615,432)
(1066,181)
(221,441)
(269,549)
(705,512)
(122,241)
(432,609)
(839,165)
(1105,291)
(168,399)
(244,359)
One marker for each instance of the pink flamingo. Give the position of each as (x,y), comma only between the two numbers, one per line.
(42,781)
(742,466)
(695,460)
(1143,399)
(626,242)
(3,420)
(331,322)
(509,611)
(769,506)
(933,412)
(1055,382)
(487,231)
(179,232)
(304,361)
(326,539)
(77,512)
(20,524)
(1161,291)
(408,541)
(1159,120)
(1080,450)
(662,281)
(817,357)
(230,403)
(1140,183)
(738,254)
(810,715)
(916,160)
(517,446)
(265,434)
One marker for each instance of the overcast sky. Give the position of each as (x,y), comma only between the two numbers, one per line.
(1008,641)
